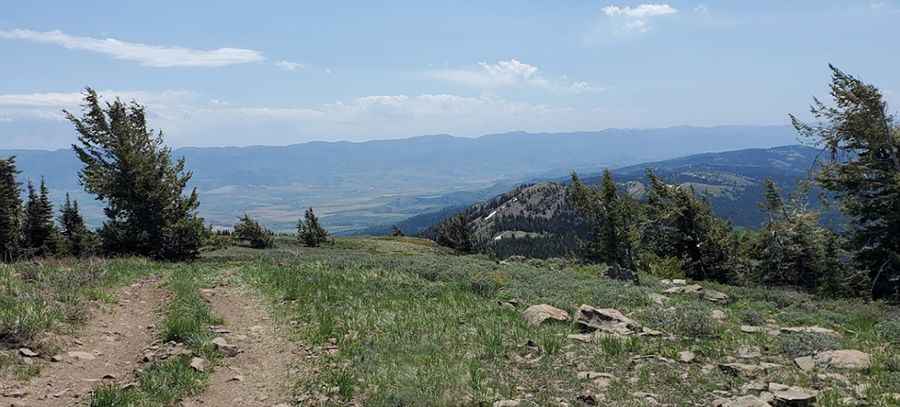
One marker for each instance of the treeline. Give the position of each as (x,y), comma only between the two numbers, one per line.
(674,232)
(127,166)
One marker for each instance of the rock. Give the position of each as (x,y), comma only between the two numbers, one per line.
(718,315)
(199,364)
(784,396)
(740,369)
(79,355)
(810,329)
(715,296)
(685,289)
(805,363)
(748,352)
(686,356)
(236,378)
(598,379)
(56,358)
(28,353)
(586,338)
(507,403)
(679,281)
(15,393)
(749,329)
(743,401)
(844,359)
(537,314)
(658,299)
(223,346)
(605,320)
(754,387)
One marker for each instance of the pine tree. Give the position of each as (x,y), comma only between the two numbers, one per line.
(309,231)
(679,224)
(863,172)
(38,229)
(456,233)
(612,222)
(250,231)
(74,231)
(10,211)
(396,232)
(127,165)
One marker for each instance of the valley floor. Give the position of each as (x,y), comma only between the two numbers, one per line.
(397,321)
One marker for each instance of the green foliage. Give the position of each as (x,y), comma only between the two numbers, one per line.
(10,210)
(612,219)
(127,165)
(78,240)
(681,224)
(309,231)
(807,343)
(39,232)
(456,233)
(256,235)
(863,172)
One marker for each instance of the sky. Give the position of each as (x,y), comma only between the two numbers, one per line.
(235,73)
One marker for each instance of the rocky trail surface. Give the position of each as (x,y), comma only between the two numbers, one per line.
(106,349)
(258,373)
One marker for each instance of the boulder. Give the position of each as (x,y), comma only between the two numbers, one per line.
(537,314)
(28,353)
(223,346)
(785,396)
(805,363)
(79,355)
(685,289)
(844,359)
(718,315)
(199,364)
(606,320)
(715,296)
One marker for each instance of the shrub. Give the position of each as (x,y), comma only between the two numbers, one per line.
(807,343)
(250,231)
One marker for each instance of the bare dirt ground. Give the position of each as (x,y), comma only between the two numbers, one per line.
(260,374)
(106,349)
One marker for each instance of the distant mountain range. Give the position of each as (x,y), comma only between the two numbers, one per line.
(355,186)
(732,182)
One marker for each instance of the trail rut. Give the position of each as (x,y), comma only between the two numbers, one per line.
(105,349)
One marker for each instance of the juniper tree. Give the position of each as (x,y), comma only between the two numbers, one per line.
(38,228)
(74,231)
(309,231)
(863,171)
(682,225)
(127,165)
(256,235)
(611,219)
(10,210)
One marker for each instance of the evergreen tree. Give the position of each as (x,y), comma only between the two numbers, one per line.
(38,229)
(309,231)
(10,211)
(74,231)
(612,222)
(250,231)
(396,232)
(127,165)
(863,172)
(679,224)
(456,233)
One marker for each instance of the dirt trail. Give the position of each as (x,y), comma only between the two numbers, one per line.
(105,349)
(260,374)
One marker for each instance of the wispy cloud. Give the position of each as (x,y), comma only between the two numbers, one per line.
(147,55)
(290,66)
(637,19)
(511,73)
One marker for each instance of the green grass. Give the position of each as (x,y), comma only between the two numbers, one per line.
(187,320)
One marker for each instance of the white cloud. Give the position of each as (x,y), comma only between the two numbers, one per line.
(511,73)
(290,66)
(637,19)
(147,55)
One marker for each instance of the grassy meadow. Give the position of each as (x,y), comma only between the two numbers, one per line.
(400,322)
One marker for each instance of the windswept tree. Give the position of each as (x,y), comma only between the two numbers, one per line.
(680,224)
(256,235)
(612,219)
(39,231)
(75,233)
(127,165)
(10,210)
(456,233)
(309,231)
(863,171)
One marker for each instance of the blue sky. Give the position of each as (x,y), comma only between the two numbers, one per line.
(283,72)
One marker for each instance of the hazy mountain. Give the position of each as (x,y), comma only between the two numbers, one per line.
(732,181)
(357,185)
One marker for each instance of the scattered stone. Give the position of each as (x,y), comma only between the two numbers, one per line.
(15,393)
(537,314)
(79,355)
(219,329)
(109,376)
(748,352)
(223,346)
(28,353)
(740,369)
(605,320)
(754,387)
(686,356)
(811,329)
(507,403)
(715,296)
(749,329)
(685,289)
(236,378)
(56,358)
(718,315)
(658,299)
(743,401)
(805,363)
(844,359)
(785,396)
(598,379)
(199,364)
